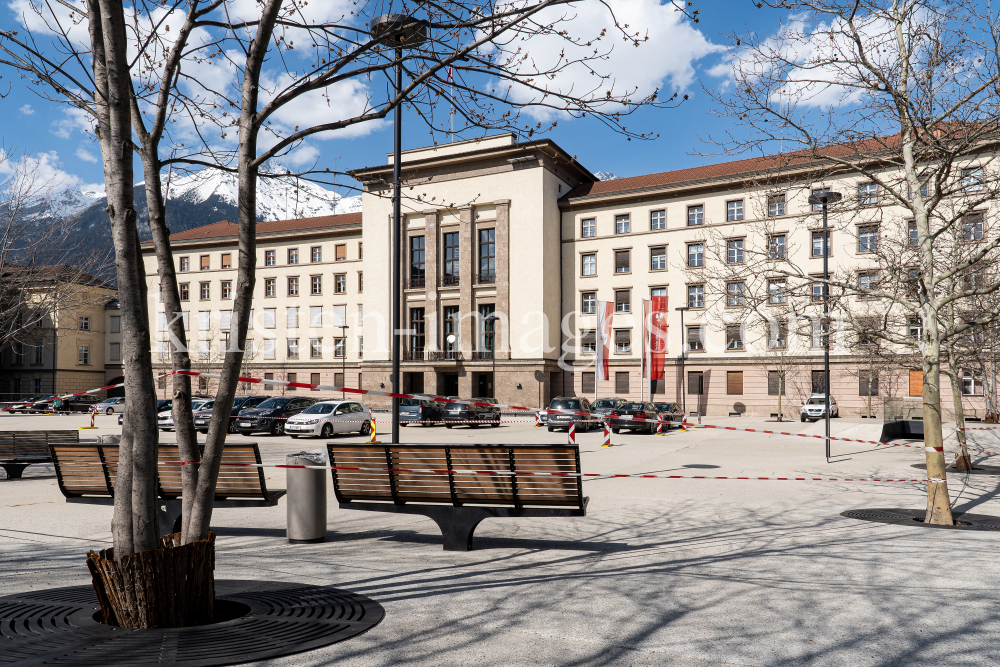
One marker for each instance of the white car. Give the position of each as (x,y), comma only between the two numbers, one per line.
(814,408)
(329,418)
(165,420)
(111,406)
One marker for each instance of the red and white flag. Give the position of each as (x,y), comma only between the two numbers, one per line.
(657,350)
(604,313)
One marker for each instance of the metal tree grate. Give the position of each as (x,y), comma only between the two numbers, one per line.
(915,518)
(268,620)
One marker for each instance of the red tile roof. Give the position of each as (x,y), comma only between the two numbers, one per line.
(229,229)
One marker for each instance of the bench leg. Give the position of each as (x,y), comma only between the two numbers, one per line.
(458,524)
(14,470)
(168,513)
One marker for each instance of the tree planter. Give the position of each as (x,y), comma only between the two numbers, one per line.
(169,587)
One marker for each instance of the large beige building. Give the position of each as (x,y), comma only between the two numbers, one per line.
(507,247)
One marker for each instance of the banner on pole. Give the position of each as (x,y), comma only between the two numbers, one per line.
(657,337)
(604,314)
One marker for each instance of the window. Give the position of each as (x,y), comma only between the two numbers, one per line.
(734,251)
(590,265)
(866,331)
(116,324)
(696,383)
(227,289)
(293,255)
(418,333)
(339,351)
(204,262)
(203,350)
(487,327)
(695,341)
(185,318)
(270,287)
(38,354)
(819,382)
(915,328)
(340,252)
(658,258)
(658,220)
(361,281)
(205,291)
(734,210)
(820,331)
(185,289)
(589,305)
(204,320)
(82,355)
(777,335)
(270,258)
(623,224)
(972,179)
(293,286)
(696,215)
(866,385)
(817,243)
(658,291)
(316,348)
(268,318)
(972,226)
(623,341)
(588,381)
(114,352)
(316,253)
(37,384)
(451,266)
(867,280)
(18,350)
(314,379)
(776,290)
(734,383)
(818,192)
(588,227)
(734,336)
(818,290)
(315,316)
(623,261)
(588,341)
(293,377)
(292,317)
(361,353)
(734,294)
(84,323)
(340,283)
(164,350)
(775,383)
(972,385)
(451,315)
(293,348)
(185,263)
(696,254)
(227,260)
(315,284)
(361,255)
(916,383)
(339,316)
(696,296)
(621,383)
(417,259)
(913,237)
(623,301)
(868,238)
(867,194)
(776,246)
(775,205)
(224,319)
(487,255)
(361,314)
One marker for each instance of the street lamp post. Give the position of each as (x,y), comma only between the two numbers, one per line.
(683,376)
(343,358)
(824,198)
(397,31)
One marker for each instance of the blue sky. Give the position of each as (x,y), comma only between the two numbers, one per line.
(44,127)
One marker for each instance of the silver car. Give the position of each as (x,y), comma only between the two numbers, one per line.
(165,420)
(111,406)
(329,418)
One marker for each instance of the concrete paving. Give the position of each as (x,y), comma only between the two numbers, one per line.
(684,572)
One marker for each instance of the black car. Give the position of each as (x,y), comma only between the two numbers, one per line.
(669,411)
(565,410)
(203,418)
(162,405)
(624,417)
(79,403)
(467,412)
(416,410)
(603,407)
(270,416)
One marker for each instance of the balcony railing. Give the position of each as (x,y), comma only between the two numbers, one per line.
(487,277)
(444,355)
(416,282)
(482,354)
(413,354)
(449,280)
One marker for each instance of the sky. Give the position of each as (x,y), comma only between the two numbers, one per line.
(680,56)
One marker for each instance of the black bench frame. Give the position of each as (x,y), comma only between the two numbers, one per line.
(14,466)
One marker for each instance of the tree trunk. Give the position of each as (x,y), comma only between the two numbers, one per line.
(962,459)
(938,502)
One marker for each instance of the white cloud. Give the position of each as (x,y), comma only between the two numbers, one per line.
(302,156)
(86,155)
(27,110)
(73,119)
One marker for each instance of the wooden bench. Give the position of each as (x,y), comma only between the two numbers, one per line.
(86,474)
(458,502)
(19,449)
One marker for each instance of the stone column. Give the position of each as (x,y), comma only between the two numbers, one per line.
(503,276)
(431,281)
(467,269)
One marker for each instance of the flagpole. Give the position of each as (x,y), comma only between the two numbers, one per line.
(642,356)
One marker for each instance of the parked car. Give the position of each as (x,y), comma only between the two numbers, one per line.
(110,406)
(83,403)
(625,417)
(270,416)
(669,412)
(203,417)
(416,410)
(24,405)
(603,407)
(814,408)
(165,419)
(161,405)
(467,412)
(329,418)
(571,410)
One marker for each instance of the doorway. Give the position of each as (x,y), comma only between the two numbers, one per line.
(413,383)
(449,384)
(484,384)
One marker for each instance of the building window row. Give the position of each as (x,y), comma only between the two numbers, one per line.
(270,257)
(271,287)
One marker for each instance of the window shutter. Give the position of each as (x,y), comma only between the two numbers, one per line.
(622,261)
(587,382)
(734,382)
(621,383)
(916,383)
(695,382)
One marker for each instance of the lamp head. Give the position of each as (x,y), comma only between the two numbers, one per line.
(399,31)
(825,197)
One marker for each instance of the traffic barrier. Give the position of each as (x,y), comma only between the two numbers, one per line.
(93,411)
(607,435)
(571,432)
(372,440)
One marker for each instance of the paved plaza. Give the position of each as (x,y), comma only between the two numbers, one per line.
(685,572)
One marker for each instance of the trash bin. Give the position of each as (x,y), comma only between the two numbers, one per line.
(306,497)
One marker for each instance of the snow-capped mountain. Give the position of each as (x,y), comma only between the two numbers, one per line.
(605,176)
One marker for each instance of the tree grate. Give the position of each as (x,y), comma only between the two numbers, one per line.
(255,621)
(915,518)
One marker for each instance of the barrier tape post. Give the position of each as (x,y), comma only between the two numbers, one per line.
(659,427)
(538,420)
(572,433)
(607,435)
(93,411)
(371,428)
